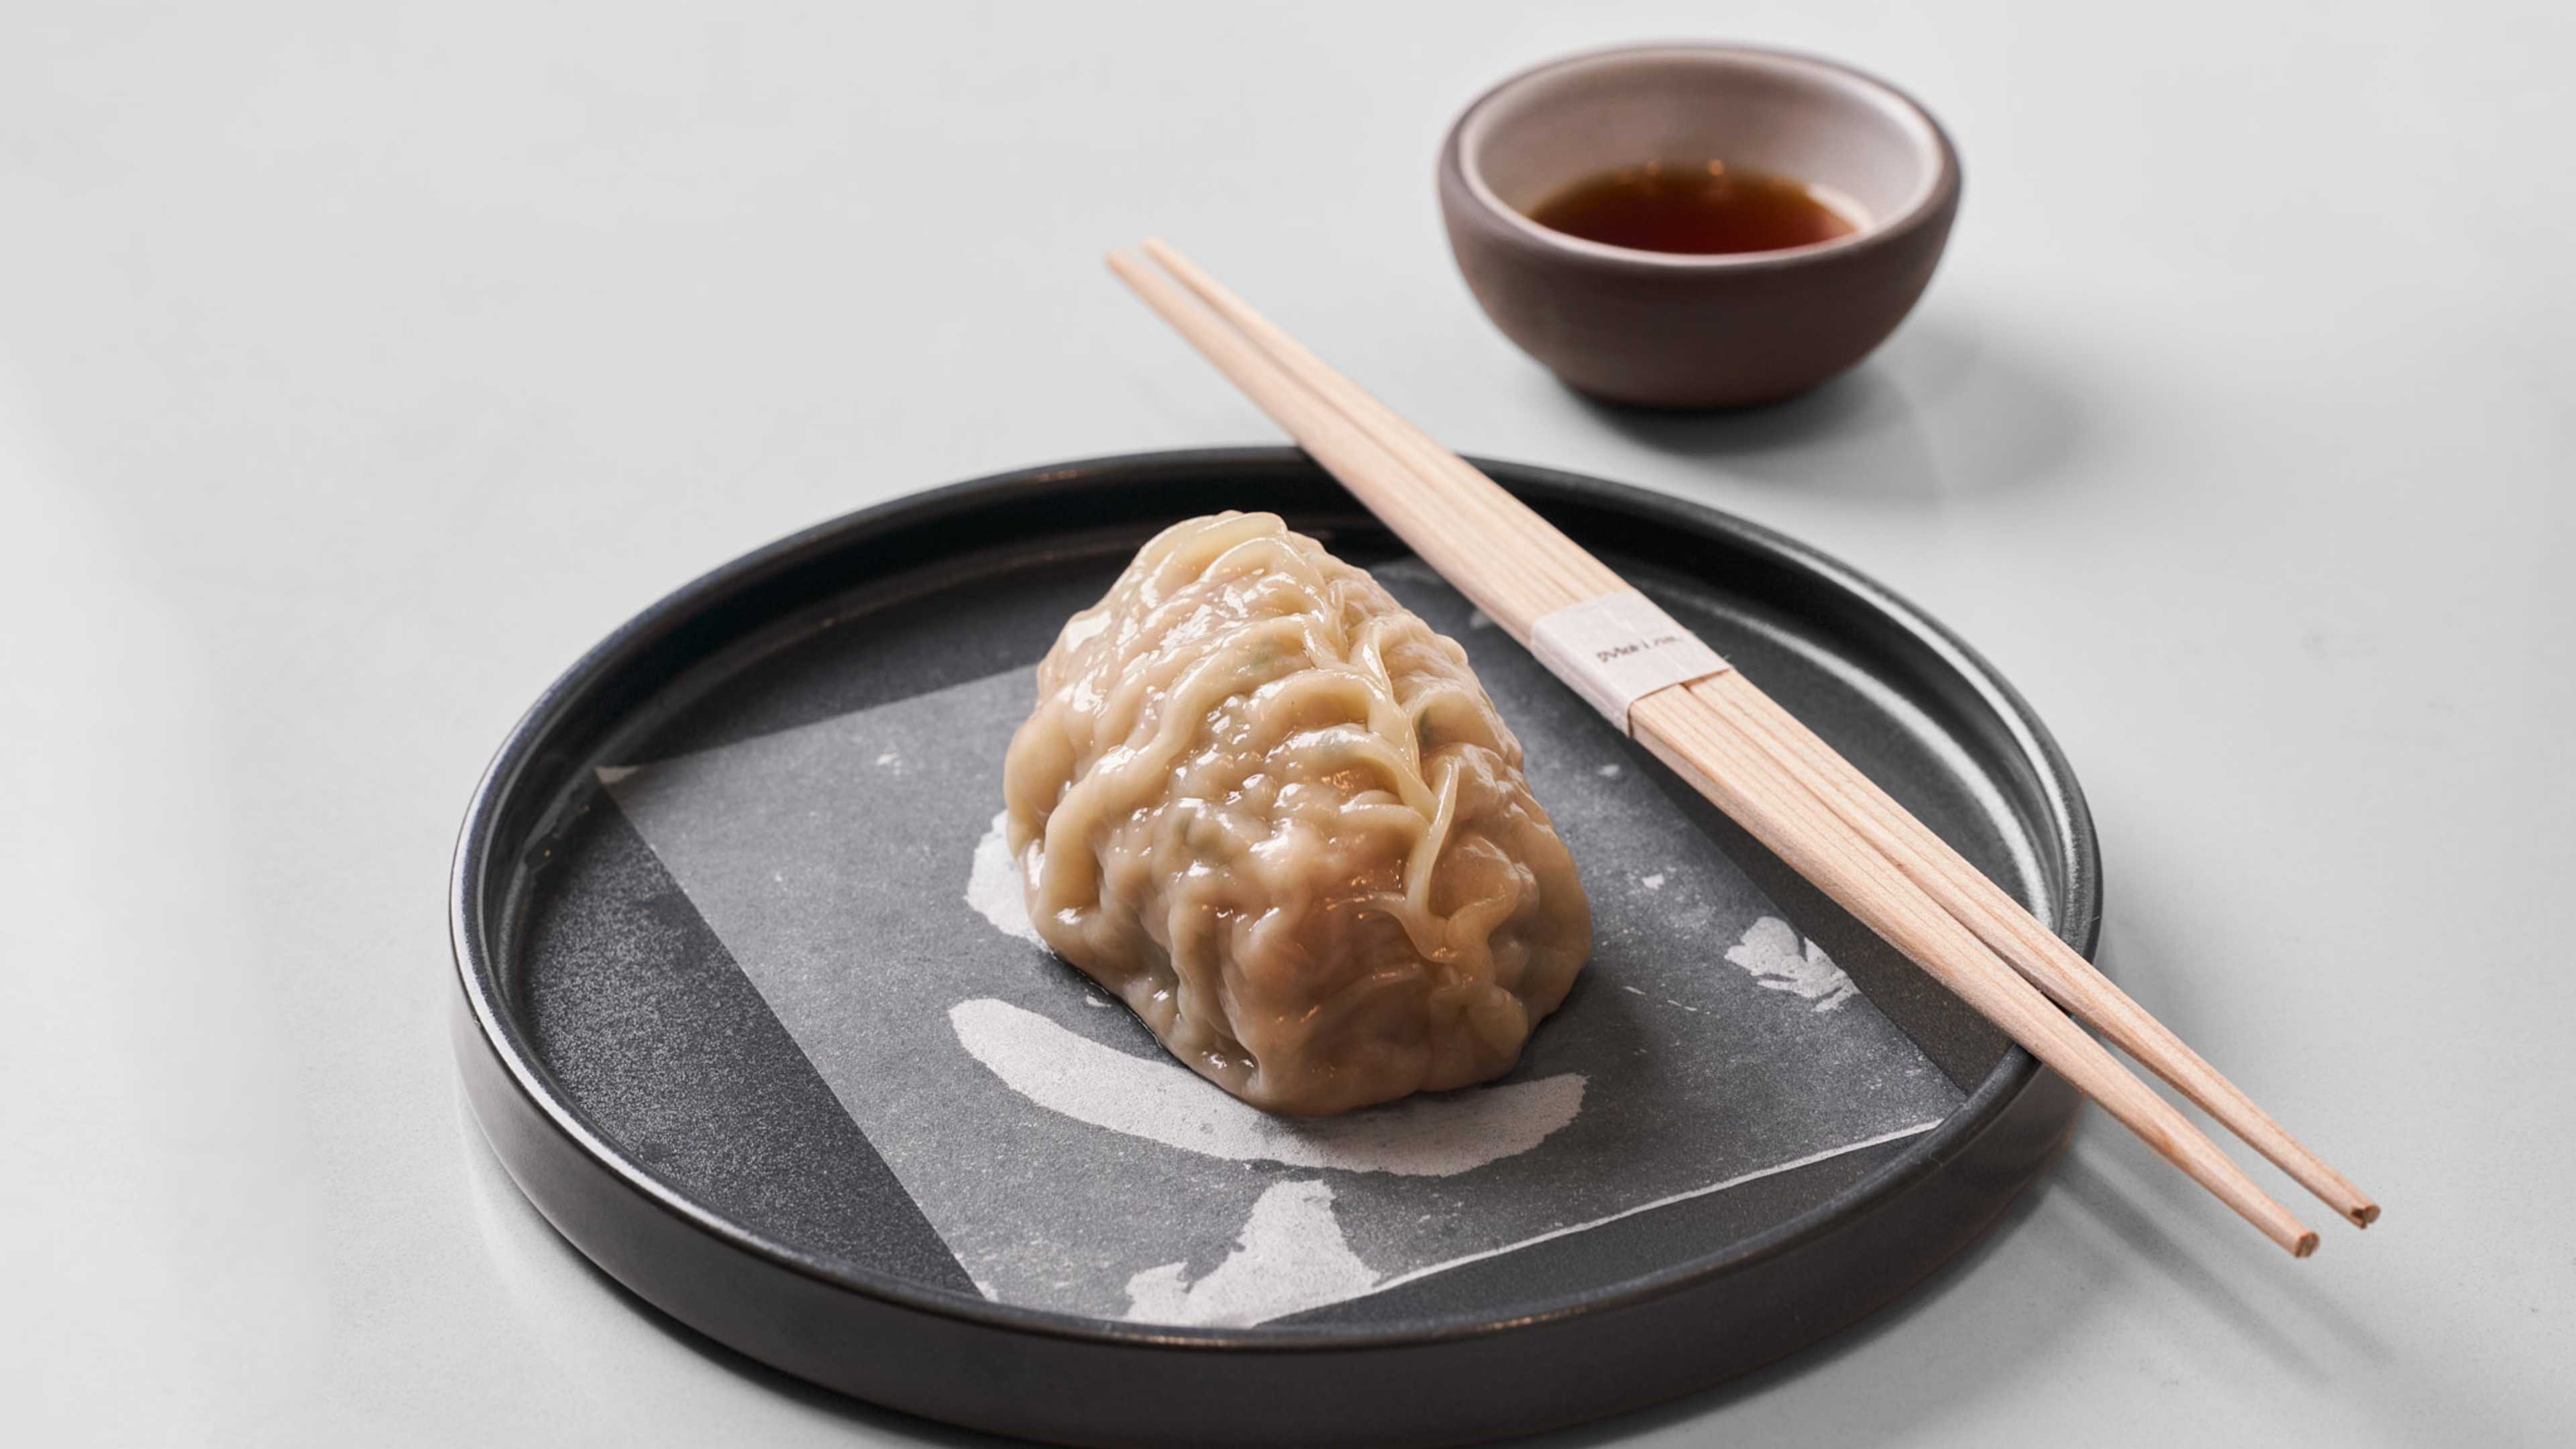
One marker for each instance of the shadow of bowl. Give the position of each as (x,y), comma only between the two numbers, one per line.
(1937,415)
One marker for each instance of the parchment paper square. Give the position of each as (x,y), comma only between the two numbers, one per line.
(853,868)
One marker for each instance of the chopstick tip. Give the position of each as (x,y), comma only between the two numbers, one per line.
(2304,1244)
(2364,1215)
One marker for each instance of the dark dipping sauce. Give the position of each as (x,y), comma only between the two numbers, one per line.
(1700,210)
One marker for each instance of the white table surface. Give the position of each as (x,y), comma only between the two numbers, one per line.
(357,371)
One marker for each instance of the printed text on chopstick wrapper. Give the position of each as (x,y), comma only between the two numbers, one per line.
(1619,648)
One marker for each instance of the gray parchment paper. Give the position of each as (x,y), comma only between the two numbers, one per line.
(854,869)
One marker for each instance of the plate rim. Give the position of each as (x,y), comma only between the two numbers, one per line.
(480,977)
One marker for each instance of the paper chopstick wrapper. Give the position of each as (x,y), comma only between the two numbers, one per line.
(1618,648)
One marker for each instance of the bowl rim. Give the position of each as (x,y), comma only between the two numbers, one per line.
(1931,198)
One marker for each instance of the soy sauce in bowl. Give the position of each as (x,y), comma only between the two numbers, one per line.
(1695,210)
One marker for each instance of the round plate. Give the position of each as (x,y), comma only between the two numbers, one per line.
(647,1098)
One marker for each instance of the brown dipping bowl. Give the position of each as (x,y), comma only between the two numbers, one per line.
(1661,329)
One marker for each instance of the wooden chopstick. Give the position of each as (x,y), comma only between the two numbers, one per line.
(2000,921)
(2031,948)
(1518,568)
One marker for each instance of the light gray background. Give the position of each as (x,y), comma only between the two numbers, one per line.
(357,372)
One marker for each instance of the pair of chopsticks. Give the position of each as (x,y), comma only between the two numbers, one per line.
(1755,761)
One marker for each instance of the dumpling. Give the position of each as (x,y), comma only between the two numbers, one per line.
(1275,813)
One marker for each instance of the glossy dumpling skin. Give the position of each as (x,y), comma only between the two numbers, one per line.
(1276,814)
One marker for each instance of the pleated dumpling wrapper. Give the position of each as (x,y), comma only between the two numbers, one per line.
(1275,813)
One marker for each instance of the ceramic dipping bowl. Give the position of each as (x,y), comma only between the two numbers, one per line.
(1660,329)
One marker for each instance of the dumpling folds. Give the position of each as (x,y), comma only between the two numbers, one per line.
(1276,814)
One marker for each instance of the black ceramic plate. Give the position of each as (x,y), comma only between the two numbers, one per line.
(648,1100)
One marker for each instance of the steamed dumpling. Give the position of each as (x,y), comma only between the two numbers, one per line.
(1276,814)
